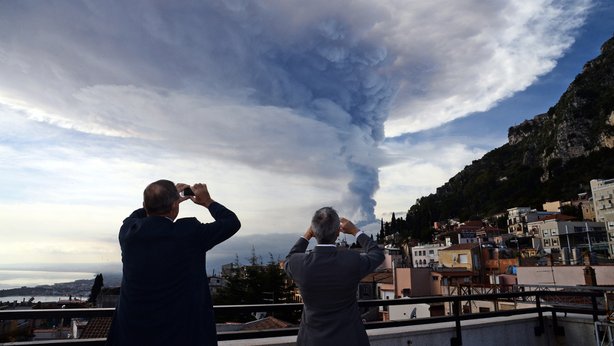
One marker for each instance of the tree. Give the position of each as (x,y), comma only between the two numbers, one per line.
(255,283)
(96,287)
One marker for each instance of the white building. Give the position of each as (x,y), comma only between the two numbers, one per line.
(603,193)
(519,217)
(426,255)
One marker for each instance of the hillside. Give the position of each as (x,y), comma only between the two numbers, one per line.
(550,157)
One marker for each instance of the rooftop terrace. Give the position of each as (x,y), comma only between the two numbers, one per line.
(517,318)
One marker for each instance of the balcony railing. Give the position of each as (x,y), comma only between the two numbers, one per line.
(542,302)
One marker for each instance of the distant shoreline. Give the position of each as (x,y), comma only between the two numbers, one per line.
(54,284)
(43,299)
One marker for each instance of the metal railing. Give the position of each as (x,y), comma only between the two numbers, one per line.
(541,301)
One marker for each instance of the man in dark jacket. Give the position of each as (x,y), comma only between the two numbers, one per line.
(328,280)
(164,297)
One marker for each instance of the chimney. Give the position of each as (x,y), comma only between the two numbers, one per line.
(589,276)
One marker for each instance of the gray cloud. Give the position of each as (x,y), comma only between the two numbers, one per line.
(297,88)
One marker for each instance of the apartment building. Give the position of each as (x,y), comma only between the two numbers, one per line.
(603,193)
(519,217)
(562,233)
(424,256)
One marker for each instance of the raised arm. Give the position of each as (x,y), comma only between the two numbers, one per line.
(374,255)
(299,248)
(226,222)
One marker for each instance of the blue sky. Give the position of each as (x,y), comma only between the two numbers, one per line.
(281,107)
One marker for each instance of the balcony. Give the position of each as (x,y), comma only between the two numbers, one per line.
(538,318)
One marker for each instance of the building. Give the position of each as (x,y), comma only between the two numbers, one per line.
(603,192)
(465,256)
(516,217)
(407,282)
(216,283)
(424,256)
(519,217)
(586,205)
(554,206)
(559,233)
(565,275)
(393,258)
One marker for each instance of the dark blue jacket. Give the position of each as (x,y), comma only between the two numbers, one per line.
(164,297)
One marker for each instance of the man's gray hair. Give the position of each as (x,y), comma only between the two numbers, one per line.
(159,196)
(325,225)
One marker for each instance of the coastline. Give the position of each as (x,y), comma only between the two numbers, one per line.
(18,278)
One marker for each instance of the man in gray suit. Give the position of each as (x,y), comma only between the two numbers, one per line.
(328,280)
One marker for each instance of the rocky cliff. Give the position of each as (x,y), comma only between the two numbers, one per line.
(580,123)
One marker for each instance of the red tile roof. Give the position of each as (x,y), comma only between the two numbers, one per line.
(266,323)
(97,327)
(560,217)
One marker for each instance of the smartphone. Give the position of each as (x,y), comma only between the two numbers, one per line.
(187,192)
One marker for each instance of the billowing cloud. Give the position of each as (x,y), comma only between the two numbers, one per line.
(282,103)
(265,83)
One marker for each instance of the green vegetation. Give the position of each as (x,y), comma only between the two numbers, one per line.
(498,182)
(255,283)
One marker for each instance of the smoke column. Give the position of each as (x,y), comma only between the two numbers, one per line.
(326,70)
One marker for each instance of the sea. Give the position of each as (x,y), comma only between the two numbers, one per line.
(31,278)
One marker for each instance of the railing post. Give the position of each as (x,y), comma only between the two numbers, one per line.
(595,307)
(558,330)
(539,330)
(458,339)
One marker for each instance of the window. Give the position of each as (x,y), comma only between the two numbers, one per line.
(555,242)
(555,232)
(462,259)
(547,242)
(546,233)
(431,252)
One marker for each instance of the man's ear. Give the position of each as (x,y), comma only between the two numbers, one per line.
(144,207)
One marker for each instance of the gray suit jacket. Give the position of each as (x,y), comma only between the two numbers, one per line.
(328,280)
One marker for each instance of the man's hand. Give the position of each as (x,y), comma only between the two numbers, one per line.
(201,195)
(308,234)
(348,227)
(180,188)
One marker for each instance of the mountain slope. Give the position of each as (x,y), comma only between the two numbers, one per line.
(552,156)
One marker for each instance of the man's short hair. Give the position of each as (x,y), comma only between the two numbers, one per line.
(159,196)
(325,225)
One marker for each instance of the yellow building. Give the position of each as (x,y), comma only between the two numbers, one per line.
(461,256)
